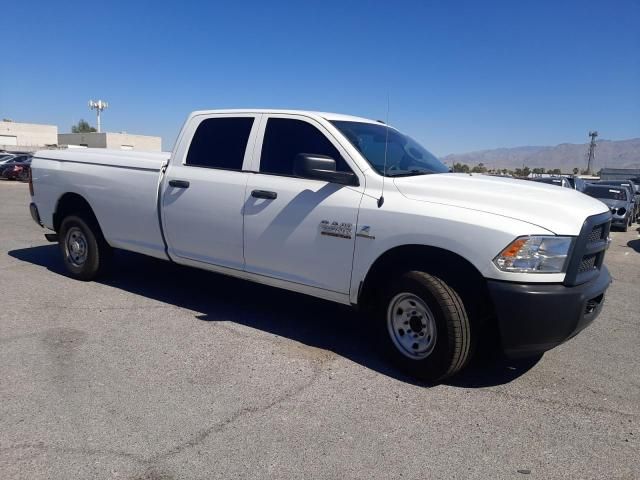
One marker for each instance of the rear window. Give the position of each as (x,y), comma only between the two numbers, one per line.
(606,193)
(220,143)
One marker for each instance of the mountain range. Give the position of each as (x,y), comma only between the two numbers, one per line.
(566,156)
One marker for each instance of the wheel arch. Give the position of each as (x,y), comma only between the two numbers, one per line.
(451,267)
(73,203)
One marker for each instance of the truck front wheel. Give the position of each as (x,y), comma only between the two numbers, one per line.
(424,327)
(83,249)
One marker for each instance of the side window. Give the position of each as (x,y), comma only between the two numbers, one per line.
(220,143)
(285,138)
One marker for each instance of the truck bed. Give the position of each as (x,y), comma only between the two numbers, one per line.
(121,186)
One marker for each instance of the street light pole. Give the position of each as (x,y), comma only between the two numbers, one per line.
(98,107)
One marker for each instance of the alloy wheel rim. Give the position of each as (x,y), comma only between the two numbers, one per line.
(411,326)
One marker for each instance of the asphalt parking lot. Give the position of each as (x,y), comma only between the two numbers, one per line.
(162,372)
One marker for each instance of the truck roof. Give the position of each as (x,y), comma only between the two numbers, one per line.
(326,115)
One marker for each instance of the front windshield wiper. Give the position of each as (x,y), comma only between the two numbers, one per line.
(410,173)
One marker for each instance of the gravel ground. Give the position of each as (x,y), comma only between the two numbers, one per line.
(163,372)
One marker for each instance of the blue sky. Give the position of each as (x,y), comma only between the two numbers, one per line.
(461,75)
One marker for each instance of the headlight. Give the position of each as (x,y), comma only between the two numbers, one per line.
(535,254)
(622,211)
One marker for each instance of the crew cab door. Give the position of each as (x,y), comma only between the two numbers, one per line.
(204,189)
(297,229)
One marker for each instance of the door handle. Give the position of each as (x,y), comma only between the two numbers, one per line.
(179,183)
(264,194)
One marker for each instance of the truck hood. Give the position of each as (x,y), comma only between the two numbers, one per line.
(557,209)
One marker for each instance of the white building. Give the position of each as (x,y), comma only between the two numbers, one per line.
(118,141)
(27,137)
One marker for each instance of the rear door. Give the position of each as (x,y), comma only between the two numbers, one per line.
(204,190)
(297,229)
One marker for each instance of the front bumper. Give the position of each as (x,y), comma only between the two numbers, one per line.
(534,318)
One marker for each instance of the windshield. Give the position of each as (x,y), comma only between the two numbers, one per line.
(608,193)
(404,155)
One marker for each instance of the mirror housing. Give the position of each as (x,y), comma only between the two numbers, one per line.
(321,167)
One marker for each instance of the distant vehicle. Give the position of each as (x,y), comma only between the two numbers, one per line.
(633,186)
(557,181)
(620,174)
(5,157)
(18,168)
(15,158)
(577,183)
(618,199)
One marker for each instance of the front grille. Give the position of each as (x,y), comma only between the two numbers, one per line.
(596,234)
(588,263)
(588,251)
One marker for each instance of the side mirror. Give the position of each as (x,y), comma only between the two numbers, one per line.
(321,167)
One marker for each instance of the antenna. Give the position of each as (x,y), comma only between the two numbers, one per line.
(386,144)
(98,107)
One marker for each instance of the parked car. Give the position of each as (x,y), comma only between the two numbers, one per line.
(633,186)
(557,181)
(349,210)
(577,183)
(618,199)
(18,168)
(5,157)
(13,159)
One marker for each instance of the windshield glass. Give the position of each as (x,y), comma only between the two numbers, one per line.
(609,193)
(405,156)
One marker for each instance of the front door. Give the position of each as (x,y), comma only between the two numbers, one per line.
(296,229)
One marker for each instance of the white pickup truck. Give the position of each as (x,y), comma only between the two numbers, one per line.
(349,210)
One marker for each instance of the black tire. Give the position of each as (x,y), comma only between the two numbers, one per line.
(96,251)
(453,341)
(626,227)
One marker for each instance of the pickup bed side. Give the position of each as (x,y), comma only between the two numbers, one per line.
(129,217)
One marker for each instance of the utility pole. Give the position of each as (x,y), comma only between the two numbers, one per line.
(592,151)
(98,107)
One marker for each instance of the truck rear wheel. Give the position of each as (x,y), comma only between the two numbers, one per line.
(424,327)
(83,249)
